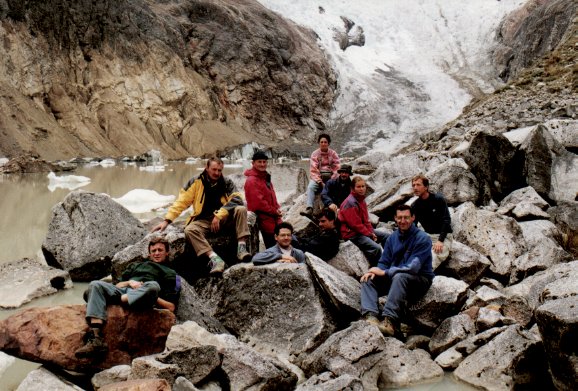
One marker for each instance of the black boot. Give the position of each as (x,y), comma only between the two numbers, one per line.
(94,345)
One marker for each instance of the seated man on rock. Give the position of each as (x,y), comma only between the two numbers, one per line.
(283,251)
(404,273)
(144,285)
(325,244)
(217,205)
(431,211)
(336,190)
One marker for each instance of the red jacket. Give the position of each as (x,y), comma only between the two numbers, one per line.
(261,199)
(354,217)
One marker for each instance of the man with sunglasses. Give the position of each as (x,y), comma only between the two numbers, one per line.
(404,272)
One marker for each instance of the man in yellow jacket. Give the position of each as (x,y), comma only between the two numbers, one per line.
(215,203)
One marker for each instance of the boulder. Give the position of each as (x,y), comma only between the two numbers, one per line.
(42,379)
(25,280)
(138,385)
(243,366)
(464,263)
(343,291)
(564,177)
(274,306)
(401,166)
(540,257)
(536,231)
(524,195)
(488,318)
(327,381)
(385,198)
(192,307)
(493,235)
(559,278)
(86,231)
(558,324)
(565,216)
(451,331)
(52,335)
(517,309)
(350,260)
(490,157)
(115,374)
(29,164)
(5,362)
(302,226)
(527,211)
(512,359)
(444,298)
(455,181)
(182,384)
(485,296)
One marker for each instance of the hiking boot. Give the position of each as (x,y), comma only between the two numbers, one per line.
(372,319)
(93,348)
(309,211)
(242,253)
(387,328)
(217,265)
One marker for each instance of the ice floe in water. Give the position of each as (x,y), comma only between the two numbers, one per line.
(69,182)
(143,200)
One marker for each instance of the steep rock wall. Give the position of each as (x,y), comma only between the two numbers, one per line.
(83,78)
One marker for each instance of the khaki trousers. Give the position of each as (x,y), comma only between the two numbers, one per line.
(198,229)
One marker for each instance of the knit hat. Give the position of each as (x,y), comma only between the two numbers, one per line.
(260,155)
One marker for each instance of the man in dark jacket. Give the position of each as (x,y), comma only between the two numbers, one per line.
(144,285)
(431,211)
(325,244)
(404,272)
(261,198)
(338,189)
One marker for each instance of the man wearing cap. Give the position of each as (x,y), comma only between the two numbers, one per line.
(261,198)
(336,190)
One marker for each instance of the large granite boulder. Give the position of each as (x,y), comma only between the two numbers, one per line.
(455,181)
(244,367)
(52,335)
(42,379)
(25,280)
(565,216)
(558,324)
(276,307)
(490,157)
(512,359)
(451,331)
(86,231)
(385,198)
(444,298)
(116,374)
(464,263)
(536,231)
(341,290)
(350,260)
(524,195)
(498,237)
(192,307)
(540,257)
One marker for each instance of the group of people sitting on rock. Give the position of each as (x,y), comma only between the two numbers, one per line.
(401,263)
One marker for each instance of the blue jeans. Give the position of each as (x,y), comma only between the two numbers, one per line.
(370,248)
(402,290)
(312,189)
(101,293)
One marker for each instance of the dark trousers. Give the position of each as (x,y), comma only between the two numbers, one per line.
(401,291)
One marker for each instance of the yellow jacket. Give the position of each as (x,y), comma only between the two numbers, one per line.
(193,193)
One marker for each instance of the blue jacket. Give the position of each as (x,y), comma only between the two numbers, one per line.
(273,254)
(407,253)
(335,191)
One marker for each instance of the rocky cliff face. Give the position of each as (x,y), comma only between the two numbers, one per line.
(83,78)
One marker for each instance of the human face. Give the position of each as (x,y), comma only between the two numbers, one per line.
(326,224)
(404,219)
(360,188)
(418,188)
(284,238)
(260,165)
(215,171)
(344,176)
(158,253)
(324,144)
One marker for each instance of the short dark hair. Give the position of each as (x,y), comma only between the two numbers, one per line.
(423,178)
(325,136)
(402,207)
(214,159)
(356,179)
(325,212)
(281,225)
(159,239)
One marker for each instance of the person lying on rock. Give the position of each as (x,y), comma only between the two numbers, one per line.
(217,206)
(355,224)
(404,273)
(325,244)
(143,286)
(336,190)
(283,251)
(323,166)
(431,211)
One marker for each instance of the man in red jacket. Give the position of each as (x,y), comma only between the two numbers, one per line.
(261,198)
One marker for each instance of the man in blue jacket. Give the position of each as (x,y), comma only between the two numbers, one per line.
(283,251)
(404,272)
